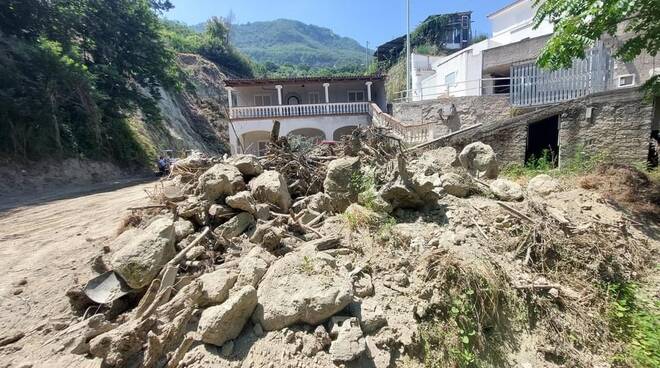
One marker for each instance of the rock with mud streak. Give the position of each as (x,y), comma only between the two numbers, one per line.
(248,165)
(220,181)
(216,286)
(235,226)
(338,182)
(350,343)
(270,187)
(506,190)
(479,160)
(543,185)
(183,228)
(243,201)
(302,287)
(437,161)
(144,252)
(456,185)
(224,322)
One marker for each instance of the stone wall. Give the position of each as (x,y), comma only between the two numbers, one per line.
(620,128)
(470,110)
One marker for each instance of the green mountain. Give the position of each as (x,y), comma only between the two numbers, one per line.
(284,41)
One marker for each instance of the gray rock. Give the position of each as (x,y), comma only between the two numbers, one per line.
(195,210)
(338,182)
(506,190)
(262,212)
(401,196)
(216,286)
(270,187)
(224,322)
(318,202)
(242,201)
(219,181)
(480,160)
(456,185)
(227,348)
(363,286)
(251,270)
(543,185)
(437,161)
(235,226)
(183,228)
(350,343)
(370,314)
(302,287)
(144,252)
(248,165)
(196,252)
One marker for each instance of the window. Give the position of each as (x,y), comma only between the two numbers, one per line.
(234,100)
(313,98)
(355,96)
(627,80)
(450,79)
(262,100)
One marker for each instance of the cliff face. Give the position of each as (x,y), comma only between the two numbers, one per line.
(193,117)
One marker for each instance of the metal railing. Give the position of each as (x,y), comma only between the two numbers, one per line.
(258,112)
(473,87)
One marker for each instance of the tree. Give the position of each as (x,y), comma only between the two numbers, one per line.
(578,24)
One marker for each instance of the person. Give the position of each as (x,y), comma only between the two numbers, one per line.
(163,166)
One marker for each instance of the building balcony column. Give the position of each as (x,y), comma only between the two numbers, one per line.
(229,99)
(327,95)
(279,94)
(369,90)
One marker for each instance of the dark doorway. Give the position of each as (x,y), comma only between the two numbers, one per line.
(501,84)
(293,100)
(543,140)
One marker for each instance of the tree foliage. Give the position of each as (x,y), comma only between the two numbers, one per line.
(578,24)
(71,70)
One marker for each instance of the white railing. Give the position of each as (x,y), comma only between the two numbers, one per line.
(257,112)
(410,134)
(473,87)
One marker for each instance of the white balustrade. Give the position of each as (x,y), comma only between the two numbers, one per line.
(257,112)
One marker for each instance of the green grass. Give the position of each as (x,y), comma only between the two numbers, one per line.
(635,321)
(580,163)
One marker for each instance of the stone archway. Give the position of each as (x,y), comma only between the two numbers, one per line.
(316,135)
(293,100)
(343,131)
(256,142)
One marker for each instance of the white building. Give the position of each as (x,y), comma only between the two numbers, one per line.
(461,73)
(323,108)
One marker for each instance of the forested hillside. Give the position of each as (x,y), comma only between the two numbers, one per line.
(285,41)
(85,79)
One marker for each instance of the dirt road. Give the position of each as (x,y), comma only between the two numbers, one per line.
(46,244)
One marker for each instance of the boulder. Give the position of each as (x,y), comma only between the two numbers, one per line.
(262,212)
(195,210)
(221,212)
(339,182)
(183,228)
(350,343)
(144,252)
(224,322)
(437,161)
(302,287)
(401,196)
(370,315)
(251,270)
(243,201)
(543,185)
(314,343)
(235,226)
(248,165)
(479,160)
(506,190)
(216,286)
(363,285)
(268,236)
(219,181)
(456,185)
(319,202)
(270,187)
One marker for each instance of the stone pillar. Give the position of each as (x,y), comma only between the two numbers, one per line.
(231,103)
(279,94)
(369,90)
(327,95)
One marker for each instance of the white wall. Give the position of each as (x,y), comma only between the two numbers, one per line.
(327,124)
(516,23)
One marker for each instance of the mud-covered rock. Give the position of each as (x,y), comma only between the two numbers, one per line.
(437,161)
(456,185)
(216,286)
(479,160)
(270,187)
(224,322)
(219,181)
(144,252)
(248,165)
(236,226)
(350,343)
(339,182)
(302,287)
(543,185)
(243,201)
(506,190)
(183,228)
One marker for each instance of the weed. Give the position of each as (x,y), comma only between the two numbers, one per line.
(635,322)
(581,163)
(307,266)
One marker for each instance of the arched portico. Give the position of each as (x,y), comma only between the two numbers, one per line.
(255,142)
(346,130)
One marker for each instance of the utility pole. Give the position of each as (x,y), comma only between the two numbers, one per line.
(366,57)
(408,50)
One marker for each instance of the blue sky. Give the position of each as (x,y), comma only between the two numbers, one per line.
(376,21)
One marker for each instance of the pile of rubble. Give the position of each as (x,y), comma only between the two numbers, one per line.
(235,253)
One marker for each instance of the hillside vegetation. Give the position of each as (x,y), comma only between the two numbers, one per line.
(78,75)
(284,41)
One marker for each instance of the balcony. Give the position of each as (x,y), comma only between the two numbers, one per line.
(266,112)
